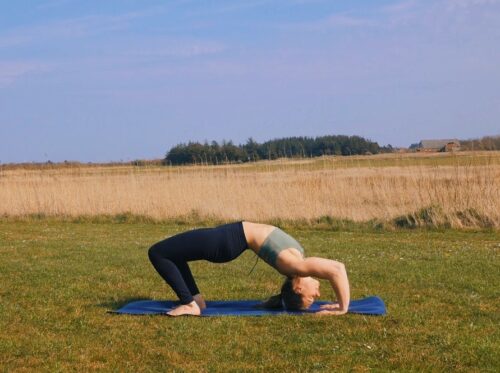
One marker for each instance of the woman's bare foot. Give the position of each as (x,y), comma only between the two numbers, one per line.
(186,309)
(198,298)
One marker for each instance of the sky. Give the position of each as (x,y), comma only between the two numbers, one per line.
(119,80)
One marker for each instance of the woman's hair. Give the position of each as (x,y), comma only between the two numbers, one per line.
(287,299)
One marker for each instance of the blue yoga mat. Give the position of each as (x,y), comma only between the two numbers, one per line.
(365,306)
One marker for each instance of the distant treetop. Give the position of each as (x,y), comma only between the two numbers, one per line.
(288,147)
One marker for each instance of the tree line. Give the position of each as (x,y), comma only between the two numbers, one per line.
(484,143)
(289,147)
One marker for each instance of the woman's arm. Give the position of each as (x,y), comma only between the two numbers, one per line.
(332,271)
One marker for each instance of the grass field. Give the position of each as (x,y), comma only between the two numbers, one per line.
(58,278)
(459,190)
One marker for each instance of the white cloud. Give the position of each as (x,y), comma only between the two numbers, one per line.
(401,6)
(338,20)
(72,28)
(12,40)
(463,4)
(178,48)
(11,71)
(236,6)
(344,20)
(53,4)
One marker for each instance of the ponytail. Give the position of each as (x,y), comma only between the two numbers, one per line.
(288,299)
(274,302)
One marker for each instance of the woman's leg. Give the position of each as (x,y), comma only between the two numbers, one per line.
(177,275)
(169,257)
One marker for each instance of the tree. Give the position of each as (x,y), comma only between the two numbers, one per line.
(227,152)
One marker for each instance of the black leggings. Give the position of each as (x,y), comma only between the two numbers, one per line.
(169,257)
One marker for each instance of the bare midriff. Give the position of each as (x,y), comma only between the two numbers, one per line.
(256,234)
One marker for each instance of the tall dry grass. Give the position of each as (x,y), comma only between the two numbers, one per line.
(452,193)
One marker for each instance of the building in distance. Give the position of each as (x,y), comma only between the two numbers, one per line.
(447,145)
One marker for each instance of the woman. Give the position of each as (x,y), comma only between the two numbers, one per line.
(226,242)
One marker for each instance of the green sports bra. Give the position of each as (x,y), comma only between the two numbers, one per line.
(276,242)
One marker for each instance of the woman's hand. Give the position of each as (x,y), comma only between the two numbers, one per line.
(330,306)
(329,312)
(331,309)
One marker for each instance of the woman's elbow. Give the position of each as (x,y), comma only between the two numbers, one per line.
(339,268)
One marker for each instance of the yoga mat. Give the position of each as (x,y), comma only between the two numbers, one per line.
(365,306)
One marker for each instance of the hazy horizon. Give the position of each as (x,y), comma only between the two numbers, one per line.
(122,80)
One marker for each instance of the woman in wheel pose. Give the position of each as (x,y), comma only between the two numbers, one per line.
(226,242)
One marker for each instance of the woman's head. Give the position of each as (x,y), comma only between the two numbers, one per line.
(299,292)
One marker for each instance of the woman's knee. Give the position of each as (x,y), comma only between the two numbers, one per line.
(154,252)
(162,250)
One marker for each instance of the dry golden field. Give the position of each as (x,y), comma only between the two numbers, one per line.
(457,190)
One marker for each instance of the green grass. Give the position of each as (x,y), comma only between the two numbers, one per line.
(58,279)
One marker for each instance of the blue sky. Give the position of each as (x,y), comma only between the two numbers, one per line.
(103,80)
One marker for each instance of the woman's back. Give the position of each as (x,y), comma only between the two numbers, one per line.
(256,234)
